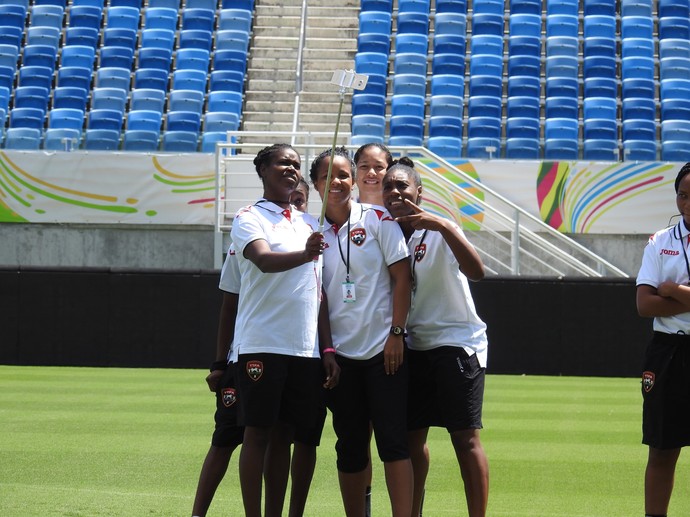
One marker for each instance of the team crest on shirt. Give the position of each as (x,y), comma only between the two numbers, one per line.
(647,381)
(358,236)
(228,396)
(255,369)
(419,252)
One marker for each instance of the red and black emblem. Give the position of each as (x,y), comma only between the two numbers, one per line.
(228,396)
(358,236)
(419,252)
(255,369)
(647,381)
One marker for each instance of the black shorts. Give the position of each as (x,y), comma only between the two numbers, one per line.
(312,435)
(366,394)
(446,389)
(227,433)
(666,392)
(274,387)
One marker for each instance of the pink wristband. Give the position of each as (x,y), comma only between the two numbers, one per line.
(328,351)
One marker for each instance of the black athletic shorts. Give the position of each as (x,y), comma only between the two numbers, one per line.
(227,433)
(446,389)
(666,392)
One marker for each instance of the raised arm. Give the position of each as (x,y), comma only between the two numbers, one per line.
(268,261)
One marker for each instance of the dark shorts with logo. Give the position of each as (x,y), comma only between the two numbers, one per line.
(227,433)
(446,389)
(275,387)
(666,392)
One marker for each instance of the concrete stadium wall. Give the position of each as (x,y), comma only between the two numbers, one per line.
(135,318)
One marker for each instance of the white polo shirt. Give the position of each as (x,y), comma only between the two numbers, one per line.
(664,259)
(442,311)
(375,241)
(277,311)
(230,283)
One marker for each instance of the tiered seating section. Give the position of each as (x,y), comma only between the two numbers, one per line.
(527,80)
(122,76)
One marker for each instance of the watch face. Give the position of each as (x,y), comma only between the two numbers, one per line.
(397,330)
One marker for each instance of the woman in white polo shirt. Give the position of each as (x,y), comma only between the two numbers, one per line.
(447,340)
(663,292)
(366,277)
(279,374)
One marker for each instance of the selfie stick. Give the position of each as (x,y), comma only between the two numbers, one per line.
(344,79)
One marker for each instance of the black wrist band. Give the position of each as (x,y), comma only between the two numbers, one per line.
(219,365)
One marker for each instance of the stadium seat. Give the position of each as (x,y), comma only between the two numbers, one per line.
(486,85)
(639,88)
(522,149)
(407,126)
(73,76)
(407,84)
(636,8)
(525,7)
(521,24)
(673,8)
(227,102)
(524,46)
(104,119)
(85,16)
(484,127)
(159,58)
(47,16)
(112,77)
(180,141)
(522,106)
(449,44)
(562,46)
(638,47)
(192,59)
(367,42)
(125,3)
(487,23)
(192,38)
(600,26)
(376,5)
(561,128)
(198,19)
(675,109)
(445,126)
(61,139)
(31,97)
(86,36)
(600,150)
(372,126)
(600,129)
(10,35)
(152,78)
(412,22)
(147,99)
(407,105)
(451,6)
(445,84)
(39,55)
(210,138)
(445,146)
(560,149)
(159,38)
(561,66)
(122,17)
(114,37)
(481,148)
(447,105)
(36,76)
(597,7)
(486,44)
(596,46)
(599,107)
(69,97)
(13,15)
(230,60)
(241,20)
(160,18)
(405,42)
(224,122)
(565,107)
(189,80)
(638,108)
(101,140)
(183,121)
(238,40)
(490,6)
(407,63)
(674,47)
(416,6)
(674,27)
(49,36)
(109,98)
(376,84)
(170,4)
(27,117)
(600,87)
(638,129)
(448,64)
(479,106)
(146,120)
(524,86)
(529,66)
(66,118)
(485,64)
(23,138)
(570,7)
(370,63)
(599,66)
(210,5)
(677,130)
(522,127)
(674,68)
(562,25)
(367,104)
(637,27)
(78,55)
(140,140)
(639,150)
(675,151)
(226,80)
(186,100)
(450,23)
(116,57)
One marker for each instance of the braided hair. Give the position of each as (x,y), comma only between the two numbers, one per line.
(339,151)
(684,171)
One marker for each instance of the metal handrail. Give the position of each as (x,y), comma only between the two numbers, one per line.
(299,69)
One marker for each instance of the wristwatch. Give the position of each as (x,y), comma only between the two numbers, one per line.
(397,331)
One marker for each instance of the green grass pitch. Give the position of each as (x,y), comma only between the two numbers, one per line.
(88,442)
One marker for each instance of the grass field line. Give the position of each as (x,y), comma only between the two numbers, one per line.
(44,488)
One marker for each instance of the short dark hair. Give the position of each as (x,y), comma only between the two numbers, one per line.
(339,151)
(684,171)
(389,156)
(263,157)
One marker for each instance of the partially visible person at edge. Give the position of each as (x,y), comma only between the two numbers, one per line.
(228,435)
(366,276)
(447,340)
(279,373)
(663,292)
(371,162)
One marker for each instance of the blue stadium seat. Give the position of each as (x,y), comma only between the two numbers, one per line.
(677,130)
(674,89)
(408,84)
(376,5)
(239,40)
(180,141)
(192,38)
(23,138)
(170,4)
(125,3)
(522,127)
(675,151)
(104,119)
(565,107)
(529,66)
(673,8)
(600,87)
(27,117)
(408,42)
(210,5)
(61,139)
(598,46)
(374,63)
(489,6)
(562,25)
(229,80)
(562,46)
(451,6)
(674,47)
(561,66)
(479,148)
(486,85)
(407,126)
(219,121)
(418,6)
(159,38)
(109,98)
(69,97)
(638,129)
(227,102)
(13,15)
(189,121)
(445,84)
(376,84)
(140,140)
(47,15)
(638,88)
(562,87)
(595,7)
(448,64)
(636,8)
(241,20)
(449,44)
(561,128)
(112,77)
(450,23)
(85,16)
(522,149)
(445,146)
(446,105)
(43,35)
(674,68)
(122,17)
(600,150)
(485,64)
(147,99)
(198,19)
(87,36)
(160,18)
(404,140)
(101,140)
(153,78)
(639,150)
(230,60)
(412,22)
(192,59)
(599,66)
(36,76)
(522,106)
(116,57)
(600,26)
(159,58)
(31,97)
(675,109)
(486,44)
(73,76)
(600,129)
(39,55)
(487,23)
(480,106)
(78,55)
(371,126)
(599,107)
(210,138)
(484,127)
(637,27)
(638,108)
(114,37)
(66,118)
(407,63)
(524,46)
(525,25)
(524,86)
(368,104)
(445,126)
(674,27)
(186,101)
(638,47)
(560,149)
(570,7)
(10,35)
(407,105)
(146,120)
(367,42)
(525,7)
(189,80)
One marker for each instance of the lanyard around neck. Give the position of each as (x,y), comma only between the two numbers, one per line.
(685,253)
(337,238)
